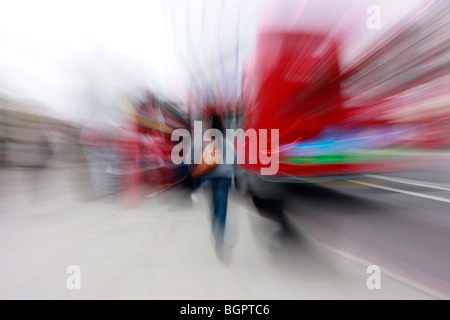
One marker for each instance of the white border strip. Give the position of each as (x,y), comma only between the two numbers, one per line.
(411,193)
(410,182)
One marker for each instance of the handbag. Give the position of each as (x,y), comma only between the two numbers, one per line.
(203,168)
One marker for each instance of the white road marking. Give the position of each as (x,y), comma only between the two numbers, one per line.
(410,182)
(416,194)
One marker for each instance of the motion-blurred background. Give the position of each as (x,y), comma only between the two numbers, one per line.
(91,92)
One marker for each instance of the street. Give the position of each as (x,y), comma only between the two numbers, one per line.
(162,248)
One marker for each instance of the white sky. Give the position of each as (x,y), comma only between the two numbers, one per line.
(53,50)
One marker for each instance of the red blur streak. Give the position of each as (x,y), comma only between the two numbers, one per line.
(397,132)
(434,122)
(284,132)
(277,51)
(384,40)
(285,147)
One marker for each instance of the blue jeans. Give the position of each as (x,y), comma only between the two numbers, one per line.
(219,190)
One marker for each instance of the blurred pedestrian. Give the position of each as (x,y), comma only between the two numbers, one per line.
(219,177)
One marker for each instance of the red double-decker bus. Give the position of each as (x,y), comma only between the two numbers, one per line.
(295,84)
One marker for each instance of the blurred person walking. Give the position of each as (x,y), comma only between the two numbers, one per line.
(98,141)
(218,176)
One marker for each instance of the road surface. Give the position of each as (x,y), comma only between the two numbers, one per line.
(162,248)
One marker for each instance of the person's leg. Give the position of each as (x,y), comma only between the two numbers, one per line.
(194,185)
(220,189)
(271,208)
(213,186)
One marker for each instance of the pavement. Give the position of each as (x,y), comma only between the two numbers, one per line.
(162,249)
